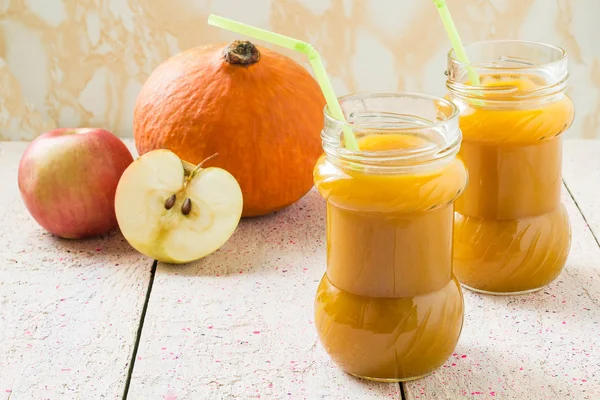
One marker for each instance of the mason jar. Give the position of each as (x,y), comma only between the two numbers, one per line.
(389,307)
(512,233)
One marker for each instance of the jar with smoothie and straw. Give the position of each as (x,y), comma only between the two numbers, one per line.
(389,307)
(512,233)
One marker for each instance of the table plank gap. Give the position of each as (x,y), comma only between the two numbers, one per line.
(139,331)
(592,231)
(581,168)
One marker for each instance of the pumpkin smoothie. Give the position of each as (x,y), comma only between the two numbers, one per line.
(512,233)
(389,307)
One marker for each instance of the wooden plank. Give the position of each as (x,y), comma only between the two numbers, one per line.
(69,310)
(239,324)
(545,345)
(581,173)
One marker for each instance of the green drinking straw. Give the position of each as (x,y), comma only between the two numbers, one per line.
(461,54)
(302,47)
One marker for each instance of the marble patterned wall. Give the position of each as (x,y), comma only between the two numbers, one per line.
(67,63)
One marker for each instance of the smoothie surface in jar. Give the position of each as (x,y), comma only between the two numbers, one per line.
(389,307)
(512,233)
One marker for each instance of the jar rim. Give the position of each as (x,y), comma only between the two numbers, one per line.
(562,54)
(438,122)
(399,94)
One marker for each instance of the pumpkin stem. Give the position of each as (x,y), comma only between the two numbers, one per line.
(241,52)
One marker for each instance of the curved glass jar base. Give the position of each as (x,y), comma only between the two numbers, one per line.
(503,293)
(389,339)
(511,256)
(391,380)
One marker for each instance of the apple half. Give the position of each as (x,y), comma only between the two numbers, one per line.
(175,212)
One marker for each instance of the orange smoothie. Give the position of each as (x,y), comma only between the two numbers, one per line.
(512,233)
(389,306)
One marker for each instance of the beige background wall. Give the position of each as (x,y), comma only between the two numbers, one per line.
(82,62)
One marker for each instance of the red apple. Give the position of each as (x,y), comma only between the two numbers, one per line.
(68,179)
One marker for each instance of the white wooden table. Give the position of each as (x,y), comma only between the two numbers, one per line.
(94,319)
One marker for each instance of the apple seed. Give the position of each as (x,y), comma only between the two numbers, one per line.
(170,202)
(186,208)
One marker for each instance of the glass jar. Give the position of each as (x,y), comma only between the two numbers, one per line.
(389,307)
(512,233)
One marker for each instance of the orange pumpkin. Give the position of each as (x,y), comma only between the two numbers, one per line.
(259,110)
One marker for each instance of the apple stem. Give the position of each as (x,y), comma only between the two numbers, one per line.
(199,166)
